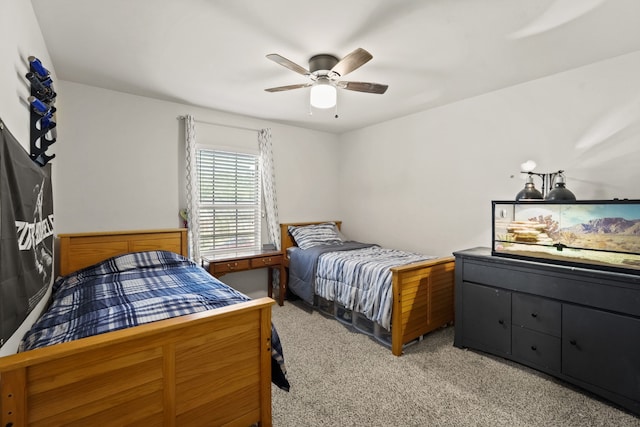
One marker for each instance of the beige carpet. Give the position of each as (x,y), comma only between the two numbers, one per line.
(344,378)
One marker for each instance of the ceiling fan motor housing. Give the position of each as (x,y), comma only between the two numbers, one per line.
(322,62)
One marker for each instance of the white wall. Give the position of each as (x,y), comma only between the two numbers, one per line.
(20,37)
(425,182)
(119,165)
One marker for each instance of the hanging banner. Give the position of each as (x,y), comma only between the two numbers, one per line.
(26,233)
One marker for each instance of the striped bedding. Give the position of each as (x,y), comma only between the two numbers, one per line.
(361,279)
(130,290)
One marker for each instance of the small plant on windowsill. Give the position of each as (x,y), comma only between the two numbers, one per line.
(185,218)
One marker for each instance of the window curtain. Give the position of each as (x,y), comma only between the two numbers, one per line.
(193,196)
(268,185)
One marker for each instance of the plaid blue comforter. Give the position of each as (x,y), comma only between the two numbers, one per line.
(130,290)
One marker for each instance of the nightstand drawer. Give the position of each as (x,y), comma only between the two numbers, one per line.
(229,266)
(266,261)
(221,264)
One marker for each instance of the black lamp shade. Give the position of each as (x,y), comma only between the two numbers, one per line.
(529,191)
(560,192)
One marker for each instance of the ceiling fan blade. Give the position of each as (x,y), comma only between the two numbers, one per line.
(363,87)
(289,87)
(352,61)
(288,64)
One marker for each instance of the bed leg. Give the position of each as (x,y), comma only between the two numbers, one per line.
(13,402)
(169,377)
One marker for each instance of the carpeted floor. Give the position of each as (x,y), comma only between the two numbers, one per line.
(344,378)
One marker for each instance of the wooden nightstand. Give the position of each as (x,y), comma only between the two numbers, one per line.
(221,264)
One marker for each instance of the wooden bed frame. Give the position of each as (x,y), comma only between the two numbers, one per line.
(422,294)
(209,368)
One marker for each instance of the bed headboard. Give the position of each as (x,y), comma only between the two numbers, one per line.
(286,241)
(81,250)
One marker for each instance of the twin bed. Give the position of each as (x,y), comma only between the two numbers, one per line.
(211,367)
(417,299)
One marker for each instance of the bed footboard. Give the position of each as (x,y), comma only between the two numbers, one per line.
(209,368)
(422,300)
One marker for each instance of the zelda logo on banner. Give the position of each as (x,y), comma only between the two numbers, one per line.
(26,233)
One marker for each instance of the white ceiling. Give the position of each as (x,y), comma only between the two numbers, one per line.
(211,53)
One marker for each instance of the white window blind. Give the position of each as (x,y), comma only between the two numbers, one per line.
(229,201)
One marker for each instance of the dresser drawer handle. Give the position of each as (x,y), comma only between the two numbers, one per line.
(534,348)
(232,266)
(501,321)
(266,260)
(534,314)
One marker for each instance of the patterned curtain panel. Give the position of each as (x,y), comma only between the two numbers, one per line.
(193,196)
(26,233)
(268,185)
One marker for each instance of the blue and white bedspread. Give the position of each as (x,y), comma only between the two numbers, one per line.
(361,279)
(130,290)
(303,265)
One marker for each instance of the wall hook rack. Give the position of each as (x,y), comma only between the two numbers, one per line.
(42,112)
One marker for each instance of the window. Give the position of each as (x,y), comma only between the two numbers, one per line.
(230,200)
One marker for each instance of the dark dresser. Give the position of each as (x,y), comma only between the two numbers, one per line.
(578,324)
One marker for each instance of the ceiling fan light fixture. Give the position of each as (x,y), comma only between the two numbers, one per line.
(323,94)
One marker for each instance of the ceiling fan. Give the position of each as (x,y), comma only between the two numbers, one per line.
(325,72)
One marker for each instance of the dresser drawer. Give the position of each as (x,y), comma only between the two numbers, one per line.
(266,261)
(535,348)
(539,314)
(229,266)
